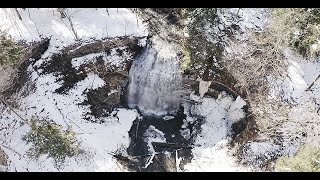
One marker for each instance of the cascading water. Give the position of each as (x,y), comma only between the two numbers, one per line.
(155,80)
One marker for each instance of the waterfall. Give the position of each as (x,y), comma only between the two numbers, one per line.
(155,79)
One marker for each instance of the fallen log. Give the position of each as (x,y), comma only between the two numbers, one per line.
(170,145)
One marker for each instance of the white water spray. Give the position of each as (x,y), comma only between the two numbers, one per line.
(155,80)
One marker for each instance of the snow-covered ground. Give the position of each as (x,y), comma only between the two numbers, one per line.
(210,152)
(98,140)
(87,22)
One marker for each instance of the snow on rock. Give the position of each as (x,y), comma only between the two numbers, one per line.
(153,135)
(301,73)
(58,106)
(311,72)
(224,100)
(109,138)
(210,151)
(250,18)
(253,18)
(112,59)
(215,128)
(203,87)
(235,111)
(185,133)
(297,84)
(167,118)
(77,62)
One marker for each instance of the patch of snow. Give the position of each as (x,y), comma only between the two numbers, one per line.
(310,70)
(194,97)
(216,127)
(142,42)
(190,119)
(112,59)
(253,18)
(292,88)
(166,118)
(210,150)
(235,111)
(57,106)
(77,62)
(213,159)
(112,92)
(87,22)
(258,153)
(224,100)
(185,133)
(203,87)
(301,123)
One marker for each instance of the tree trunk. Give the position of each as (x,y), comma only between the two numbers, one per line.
(308,89)
(16,9)
(61,11)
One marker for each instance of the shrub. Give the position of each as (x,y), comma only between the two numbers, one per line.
(307,159)
(10,51)
(256,61)
(49,138)
(301,27)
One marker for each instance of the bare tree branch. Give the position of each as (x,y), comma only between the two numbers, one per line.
(308,89)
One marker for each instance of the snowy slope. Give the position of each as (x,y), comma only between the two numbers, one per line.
(211,152)
(87,22)
(99,141)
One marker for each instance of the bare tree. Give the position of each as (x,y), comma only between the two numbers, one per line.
(62,12)
(16,9)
